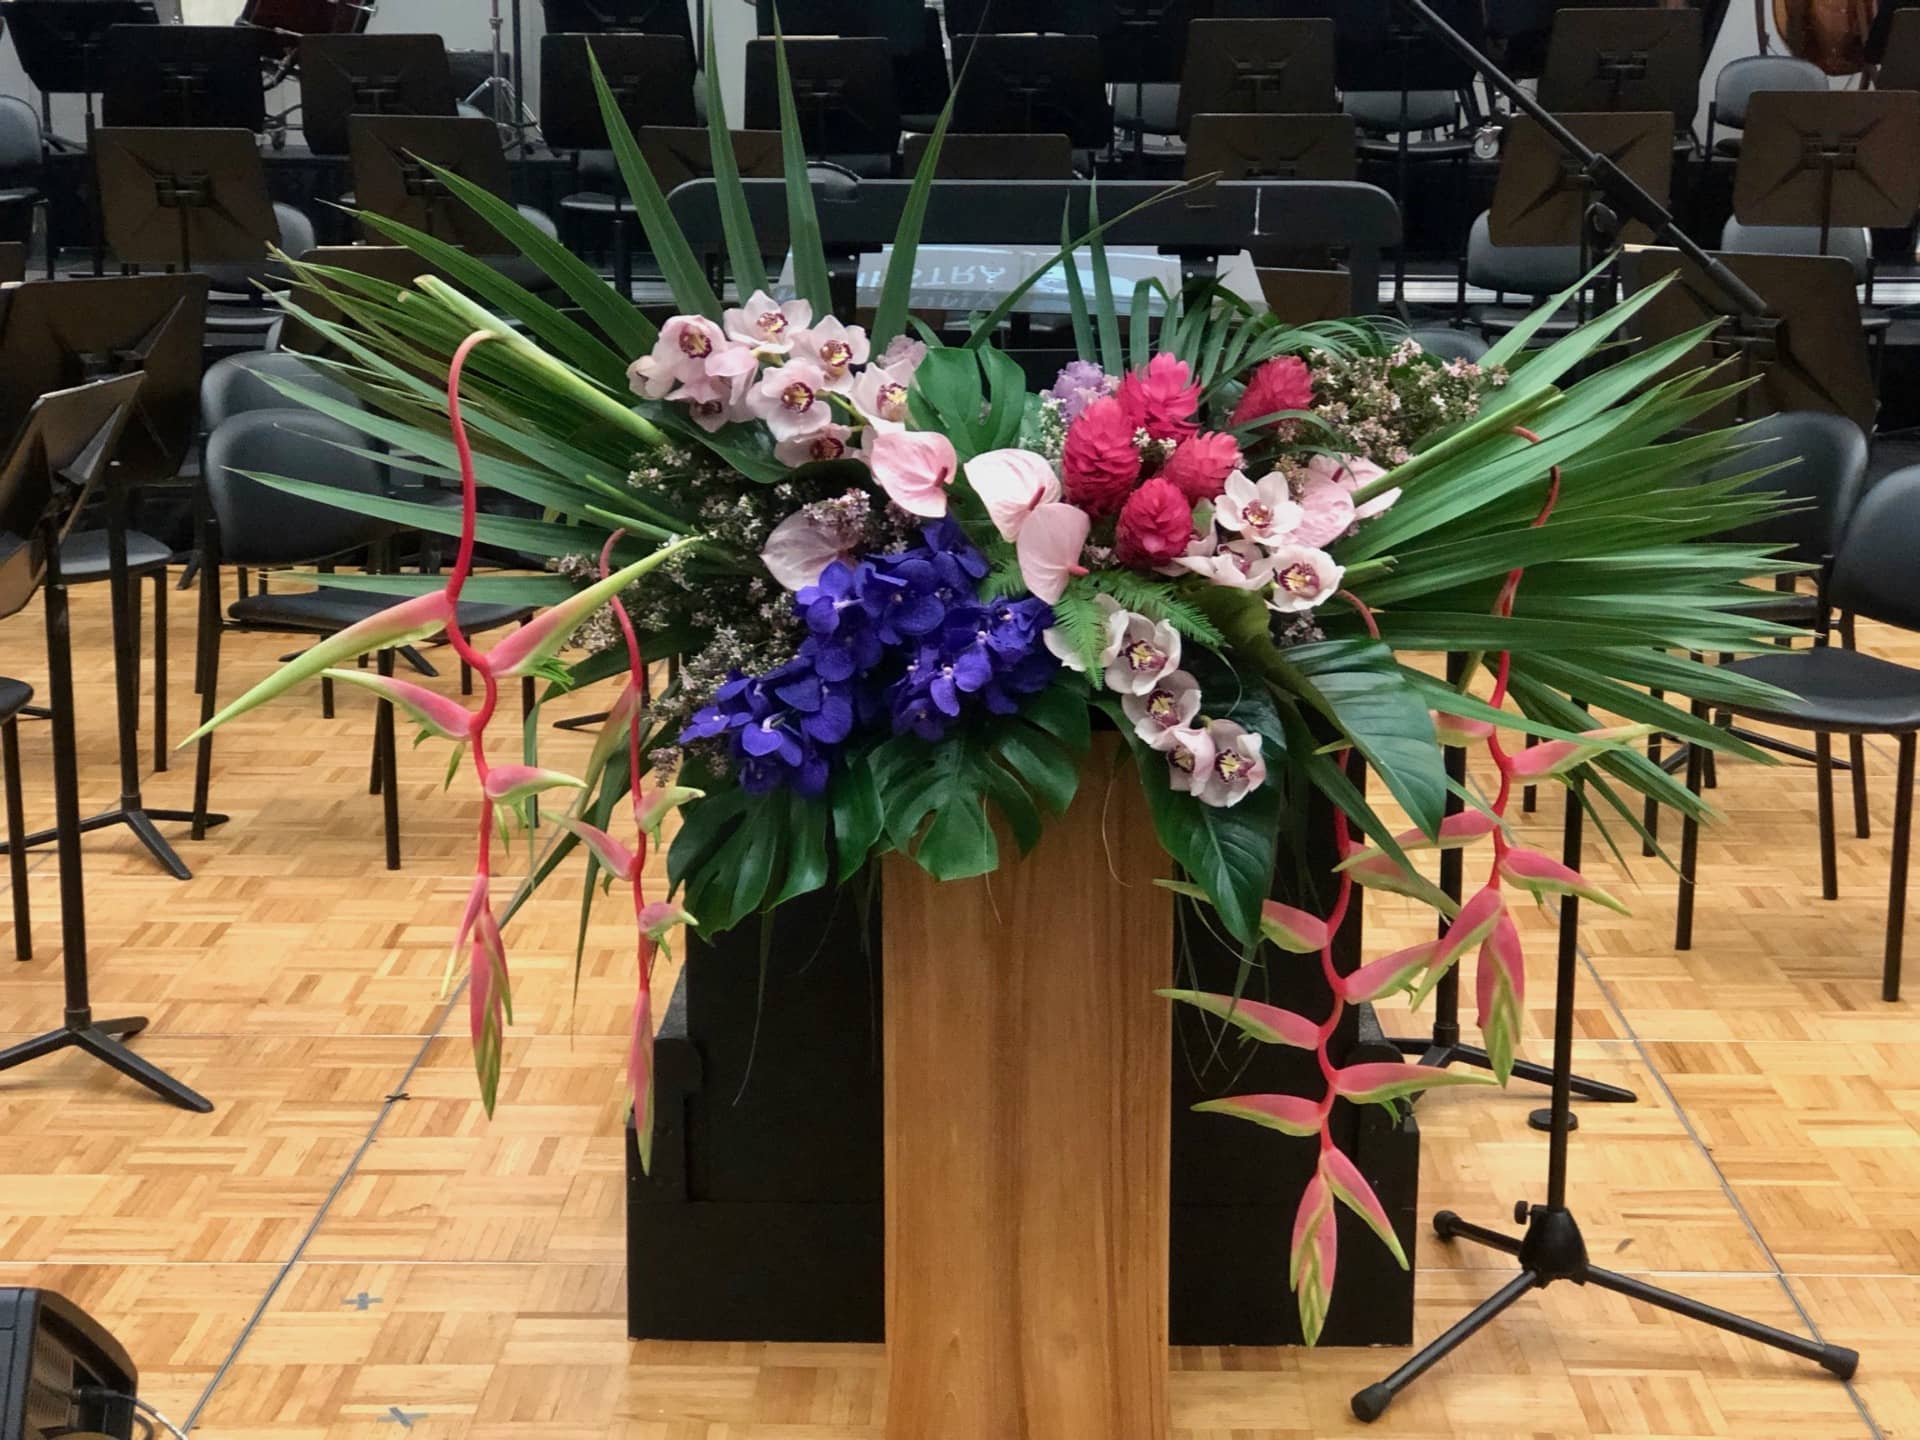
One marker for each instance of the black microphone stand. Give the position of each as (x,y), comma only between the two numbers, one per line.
(1552,1247)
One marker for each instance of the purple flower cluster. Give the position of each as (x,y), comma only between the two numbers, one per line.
(899,636)
(1080,384)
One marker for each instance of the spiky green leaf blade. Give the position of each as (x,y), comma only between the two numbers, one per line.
(692,292)
(803,221)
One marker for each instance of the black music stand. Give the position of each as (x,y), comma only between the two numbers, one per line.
(898,22)
(1543,198)
(1898,49)
(181,198)
(1553,1248)
(390,180)
(1830,157)
(993,157)
(1384,49)
(62,333)
(346,75)
(1272,147)
(1258,67)
(651,77)
(61,454)
(200,76)
(1811,355)
(1028,17)
(843,93)
(623,17)
(62,45)
(1145,44)
(1034,85)
(677,154)
(1624,59)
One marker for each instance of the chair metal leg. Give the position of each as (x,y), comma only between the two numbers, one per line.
(1651,820)
(326,698)
(1902,853)
(1829,845)
(16,852)
(1857,753)
(1689,855)
(466,678)
(389,765)
(160,669)
(208,663)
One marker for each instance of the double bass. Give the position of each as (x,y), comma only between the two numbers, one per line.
(1831,33)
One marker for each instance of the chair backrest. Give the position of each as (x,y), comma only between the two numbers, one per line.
(260,525)
(1378,111)
(1519,269)
(1445,343)
(1873,572)
(1740,80)
(20,146)
(1852,243)
(1825,469)
(239,384)
(296,238)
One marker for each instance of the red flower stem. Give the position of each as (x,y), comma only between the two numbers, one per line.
(1329,1072)
(1503,607)
(462,568)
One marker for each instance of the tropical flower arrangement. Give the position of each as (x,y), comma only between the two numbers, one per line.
(861,589)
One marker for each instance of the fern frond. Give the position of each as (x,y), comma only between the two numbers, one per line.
(1084,624)
(1157,600)
(1004,576)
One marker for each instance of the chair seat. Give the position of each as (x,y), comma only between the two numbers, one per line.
(328,609)
(84,558)
(1831,689)
(15,696)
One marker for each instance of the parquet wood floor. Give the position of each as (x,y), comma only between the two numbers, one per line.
(319,1260)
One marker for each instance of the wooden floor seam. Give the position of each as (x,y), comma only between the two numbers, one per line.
(396,1096)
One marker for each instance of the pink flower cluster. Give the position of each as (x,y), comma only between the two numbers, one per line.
(1272,534)
(816,387)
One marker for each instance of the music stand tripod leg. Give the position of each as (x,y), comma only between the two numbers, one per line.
(79,1029)
(1552,1248)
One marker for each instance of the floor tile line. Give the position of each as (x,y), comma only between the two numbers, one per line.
(313,1227)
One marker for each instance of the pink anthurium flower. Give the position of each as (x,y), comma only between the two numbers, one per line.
(530,649)
(510,784)
(1542,875)
(1289,1114)
(1556,757)
(1012,484)
(800,548)
(416,619)
(1310,1266)
(436,714)
(1268,1024)
(1500,986)
(914,469)
(1049,548)
(1293,930)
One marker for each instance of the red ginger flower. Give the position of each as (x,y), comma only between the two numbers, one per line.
(1161,399)
(1156,525)
(1101,465)
(1201,465)
(1282,384)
